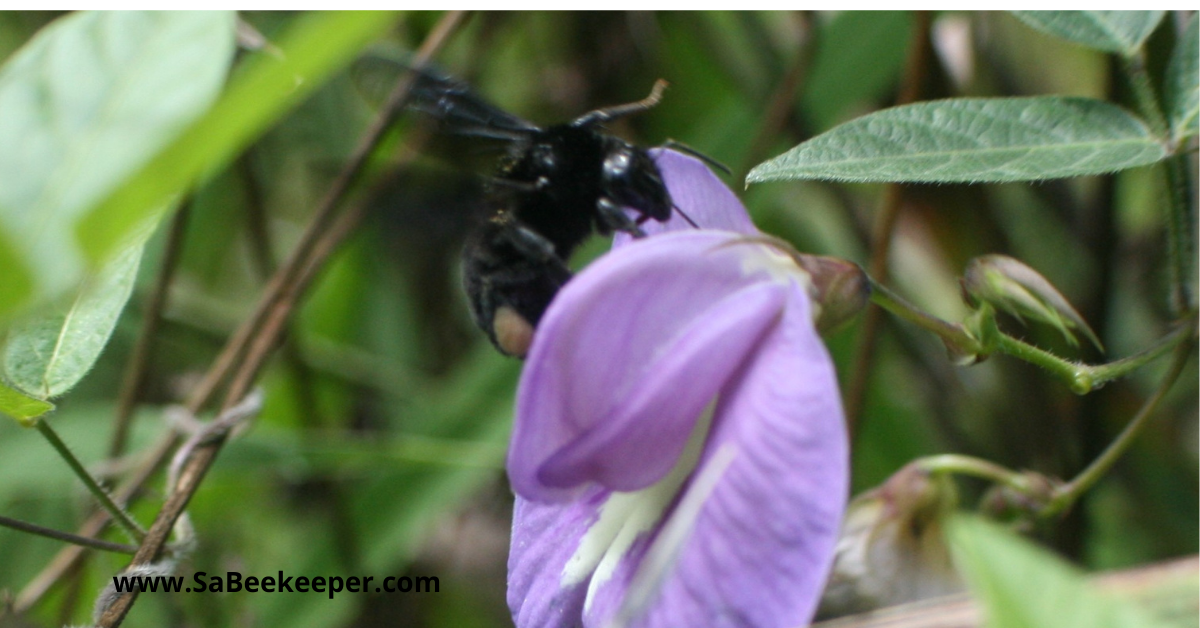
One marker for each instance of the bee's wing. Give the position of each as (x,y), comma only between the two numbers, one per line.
(461,110)
(448,100)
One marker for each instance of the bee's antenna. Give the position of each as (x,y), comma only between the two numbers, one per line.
(600,116)
(685,217)
(688,150)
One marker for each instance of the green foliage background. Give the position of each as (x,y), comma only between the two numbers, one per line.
(380,450)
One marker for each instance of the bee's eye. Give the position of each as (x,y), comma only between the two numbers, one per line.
(617,163)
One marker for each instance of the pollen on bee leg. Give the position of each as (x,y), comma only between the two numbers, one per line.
(513,333)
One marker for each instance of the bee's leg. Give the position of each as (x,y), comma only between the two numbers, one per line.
(613,219)
(685,217)
(530,243)
(511,275)
(519,186)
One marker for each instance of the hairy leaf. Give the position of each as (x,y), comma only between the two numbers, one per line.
(1112,31)
(973,140)
(83,105)
(1182,83)
(1023,586)
(47,354)
(271,83)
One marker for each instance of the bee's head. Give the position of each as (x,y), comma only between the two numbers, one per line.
(632,179)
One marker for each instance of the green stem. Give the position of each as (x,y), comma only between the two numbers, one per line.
(954,335)
(119,515)
(1084,378)
(1180,222)
(1073,373)
(1103,373)
(1181,229)
(59,535)
(1066,494)
(975,467)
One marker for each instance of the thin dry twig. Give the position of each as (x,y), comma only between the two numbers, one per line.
(257,337)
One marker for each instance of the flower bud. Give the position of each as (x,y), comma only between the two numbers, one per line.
(1005,503)
(840,287)
(1010,285)
(891,548)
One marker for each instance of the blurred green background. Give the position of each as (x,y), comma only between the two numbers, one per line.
(380,450)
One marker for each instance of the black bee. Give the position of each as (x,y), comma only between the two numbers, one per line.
(555,187)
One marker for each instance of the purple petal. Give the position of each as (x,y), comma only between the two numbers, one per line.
(544,538)
(759,551)
(641,438)
(697,192)
(628,355)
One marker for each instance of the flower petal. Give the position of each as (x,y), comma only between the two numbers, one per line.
(638,442)
(544,539)
(629,353)
(697,192)
(563,551)
(757,550)
(760,548)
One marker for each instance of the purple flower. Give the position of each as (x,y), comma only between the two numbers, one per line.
(679,453)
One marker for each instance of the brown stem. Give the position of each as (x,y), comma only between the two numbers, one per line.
(254,340)
(881,237)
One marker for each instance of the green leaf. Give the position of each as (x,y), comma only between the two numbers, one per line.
(21,407)
(271,83)
(45,355)
(1111,31)
(1183,84)
(973,140)
(1023,586)
(84,105)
